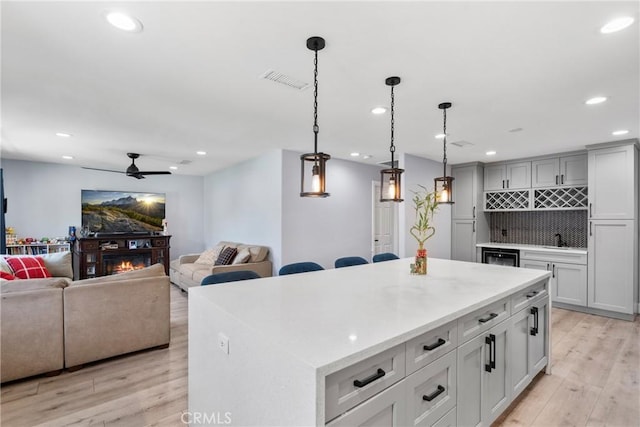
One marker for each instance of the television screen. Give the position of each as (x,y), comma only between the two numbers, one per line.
(122,212)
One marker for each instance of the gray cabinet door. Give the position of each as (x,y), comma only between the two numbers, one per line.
(545,173)
(612,257)
(465,191)
(520,364)
(539,342)
(573,170)
(463,239)
(495,177)
(471,361)
(612,187)
(385,409)
(496,394)
(518,175)
(569,283)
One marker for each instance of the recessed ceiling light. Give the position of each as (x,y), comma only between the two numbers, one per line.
(440,136)
(67,157)
(616,25)
(620,132)
(596,100)
(354,154)
(379,110)
(63,135)
(173,168)
(490,153)
(201,153)
(367,156)
(124,22)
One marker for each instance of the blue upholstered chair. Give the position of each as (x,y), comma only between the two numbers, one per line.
(231,276)
(349,261)
(386,256)
(299,267)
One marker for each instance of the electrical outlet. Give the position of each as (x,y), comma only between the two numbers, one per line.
(223,343)
(504,232)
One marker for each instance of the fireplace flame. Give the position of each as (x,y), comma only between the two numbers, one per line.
(125,266)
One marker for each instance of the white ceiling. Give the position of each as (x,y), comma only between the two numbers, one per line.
(190,80)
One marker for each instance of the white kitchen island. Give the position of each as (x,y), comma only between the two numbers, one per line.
(369,343)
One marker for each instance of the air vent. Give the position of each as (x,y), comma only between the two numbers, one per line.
(277,77)
(461,143)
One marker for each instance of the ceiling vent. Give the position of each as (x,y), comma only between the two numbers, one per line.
(461,143)
(277,77)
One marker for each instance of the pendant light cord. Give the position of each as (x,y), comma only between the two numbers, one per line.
(316,129)
(392,148)
(444,160)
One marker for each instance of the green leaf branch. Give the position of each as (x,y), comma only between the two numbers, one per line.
(425,204)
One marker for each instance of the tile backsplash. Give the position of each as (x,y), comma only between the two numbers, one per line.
(539,228)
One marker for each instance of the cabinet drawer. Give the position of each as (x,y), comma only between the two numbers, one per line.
(553,256)
(481,320)
(356,383)
(427,347)
(431,392)
(525,297)
(384,409)
(449,420)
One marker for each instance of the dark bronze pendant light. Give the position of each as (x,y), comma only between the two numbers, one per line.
(390,179)
(444,184)
(315,161)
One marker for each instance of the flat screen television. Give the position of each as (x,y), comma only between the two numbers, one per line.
(106,212)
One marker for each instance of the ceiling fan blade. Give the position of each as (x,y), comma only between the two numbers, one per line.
(137,175)
(154,173)
(103,170)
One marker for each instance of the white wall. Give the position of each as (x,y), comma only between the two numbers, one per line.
(321,230)
(44,200)
(243,204)
(422,171)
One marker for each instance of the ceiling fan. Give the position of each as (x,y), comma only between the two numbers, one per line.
(133,170)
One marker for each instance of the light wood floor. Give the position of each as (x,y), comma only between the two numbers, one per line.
(595,382)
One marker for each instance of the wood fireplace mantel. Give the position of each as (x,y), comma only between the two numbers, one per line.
(112,253)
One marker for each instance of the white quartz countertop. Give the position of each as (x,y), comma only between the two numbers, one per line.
(581,251)
(330,319)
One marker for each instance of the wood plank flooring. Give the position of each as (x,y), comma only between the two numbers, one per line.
(595,381)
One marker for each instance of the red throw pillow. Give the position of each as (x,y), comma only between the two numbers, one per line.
(6,276)
(28,267)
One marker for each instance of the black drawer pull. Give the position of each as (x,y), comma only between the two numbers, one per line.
(381,373)
(487,366)
(486,319)
(534,329)
(433,395)
(434,346)
(532,294)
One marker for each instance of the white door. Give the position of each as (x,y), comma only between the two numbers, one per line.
(384,223)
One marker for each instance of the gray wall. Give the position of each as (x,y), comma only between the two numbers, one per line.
(44,200)
(243,204)
(422,171)
(321,230)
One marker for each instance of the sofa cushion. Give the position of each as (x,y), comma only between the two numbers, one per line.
(59,264)
(226,256)
(258,253)
(28,267)
(210,256)
(7,287)
(7,276)
(155,270)
(243,256)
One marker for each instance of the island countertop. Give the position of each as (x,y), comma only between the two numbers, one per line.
(330,319)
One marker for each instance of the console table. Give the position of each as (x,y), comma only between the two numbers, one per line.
(118,253)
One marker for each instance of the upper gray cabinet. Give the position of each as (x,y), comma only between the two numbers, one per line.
(507,176)
(612,183)
(559,171)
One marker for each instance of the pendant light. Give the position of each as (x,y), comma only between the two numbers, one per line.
(390,183)
(315,161)
(444,184)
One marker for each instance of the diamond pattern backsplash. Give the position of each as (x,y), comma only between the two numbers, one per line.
(539,228)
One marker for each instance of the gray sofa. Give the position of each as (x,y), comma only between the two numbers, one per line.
(55,323)
(186,272)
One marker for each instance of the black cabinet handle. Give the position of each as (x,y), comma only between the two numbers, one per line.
(590,214)
(486,319)
(562,179)
(556,179)
(487,366)
(433,395)
(430,347)
(553,270)
(361,383)
(503,183)
(507,183)
(493,344)
(590,230)
(533,293)
(474,211)
(474,226)
(534,329)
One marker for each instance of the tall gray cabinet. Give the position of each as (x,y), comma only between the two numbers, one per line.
(613,227)
(469,223)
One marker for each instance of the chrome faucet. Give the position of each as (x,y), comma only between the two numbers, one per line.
(560,242)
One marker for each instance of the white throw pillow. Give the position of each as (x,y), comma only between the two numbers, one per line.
(210,256)
(242,257)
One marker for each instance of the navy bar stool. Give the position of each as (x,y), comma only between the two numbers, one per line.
(299,267)
(386,256)
(349,261)
(231,276)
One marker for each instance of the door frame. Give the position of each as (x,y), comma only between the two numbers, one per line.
(375,194)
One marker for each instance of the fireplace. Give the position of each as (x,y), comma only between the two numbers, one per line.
(121,263)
